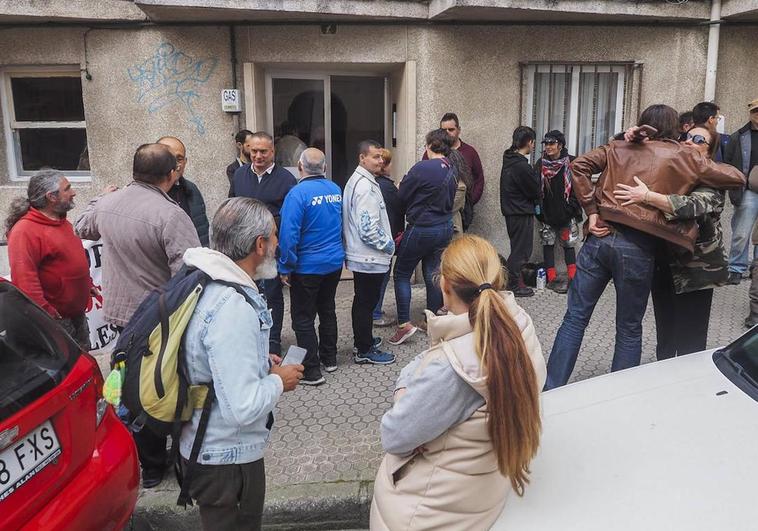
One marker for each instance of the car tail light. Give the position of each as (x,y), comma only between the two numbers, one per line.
(100,408)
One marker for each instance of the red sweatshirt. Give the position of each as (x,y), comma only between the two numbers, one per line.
(49,264)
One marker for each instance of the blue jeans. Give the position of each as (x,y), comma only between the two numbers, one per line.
(742,228)
(378,310)
(425,245)
(627,256)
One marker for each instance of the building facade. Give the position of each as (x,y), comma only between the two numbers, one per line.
(84,82)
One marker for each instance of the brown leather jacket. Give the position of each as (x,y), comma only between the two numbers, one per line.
(665,166)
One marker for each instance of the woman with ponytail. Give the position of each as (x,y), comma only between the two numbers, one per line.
(465,423)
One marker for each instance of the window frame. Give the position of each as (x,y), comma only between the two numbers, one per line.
(625,71)
(15,169)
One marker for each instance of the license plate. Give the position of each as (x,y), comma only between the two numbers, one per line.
(23,459)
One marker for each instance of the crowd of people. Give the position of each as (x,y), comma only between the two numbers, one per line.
(466,410)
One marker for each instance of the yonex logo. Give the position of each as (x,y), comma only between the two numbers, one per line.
(332,198)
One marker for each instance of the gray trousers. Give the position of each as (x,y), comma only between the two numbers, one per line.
(230,497)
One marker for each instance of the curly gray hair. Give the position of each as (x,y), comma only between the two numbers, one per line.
(42,183)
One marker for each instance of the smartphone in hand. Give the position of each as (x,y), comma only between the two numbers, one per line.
(295,356)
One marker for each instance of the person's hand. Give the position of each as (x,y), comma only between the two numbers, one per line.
(597,226)
(631,195)
(419,450)
(398,395)
(285,280)
(275,359)
(290,375)
(631,134)
(110,188)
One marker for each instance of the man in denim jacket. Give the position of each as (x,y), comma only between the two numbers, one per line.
(226,342)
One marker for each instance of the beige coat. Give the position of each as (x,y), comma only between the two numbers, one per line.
(455,484)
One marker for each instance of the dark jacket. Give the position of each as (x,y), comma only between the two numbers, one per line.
(427,192)
(272,189)
(188,195)
(233,167)
(665,166)
(556,210)
(519,185)
(737,153)
(392,201)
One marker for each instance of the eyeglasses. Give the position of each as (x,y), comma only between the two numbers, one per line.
(549,142)
(698,139)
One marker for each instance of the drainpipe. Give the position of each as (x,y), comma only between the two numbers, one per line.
(713,51)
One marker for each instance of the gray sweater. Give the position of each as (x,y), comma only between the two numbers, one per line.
(435,400)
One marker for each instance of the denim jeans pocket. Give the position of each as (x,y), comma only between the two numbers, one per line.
(636,267)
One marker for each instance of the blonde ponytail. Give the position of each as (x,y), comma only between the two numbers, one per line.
(469,264)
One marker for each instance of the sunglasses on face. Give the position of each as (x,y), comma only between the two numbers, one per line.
(549,142)
(698,139)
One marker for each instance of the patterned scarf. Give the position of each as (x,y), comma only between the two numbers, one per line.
(550,169)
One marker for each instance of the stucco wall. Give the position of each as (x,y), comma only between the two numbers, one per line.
(145,83)
(737,81)
(472,70)
(475,72)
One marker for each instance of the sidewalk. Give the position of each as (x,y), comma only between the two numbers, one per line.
(325,447)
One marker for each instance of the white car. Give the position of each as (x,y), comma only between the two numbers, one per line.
(671,445)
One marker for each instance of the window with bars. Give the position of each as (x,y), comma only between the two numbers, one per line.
(585,102)
(44,122)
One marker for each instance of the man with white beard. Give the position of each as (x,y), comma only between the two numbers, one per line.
(226,342)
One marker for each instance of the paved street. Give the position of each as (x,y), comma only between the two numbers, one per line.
(331,433)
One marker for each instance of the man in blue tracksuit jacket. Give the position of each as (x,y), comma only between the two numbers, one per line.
(310,241)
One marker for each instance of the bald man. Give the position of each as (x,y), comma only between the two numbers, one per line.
(310,262)
(185,192)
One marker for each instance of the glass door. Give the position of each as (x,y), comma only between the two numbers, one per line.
(301,115)
(298,115)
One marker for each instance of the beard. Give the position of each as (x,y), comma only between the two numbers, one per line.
(267,269)
(63,207)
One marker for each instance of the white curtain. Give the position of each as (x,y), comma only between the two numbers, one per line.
(552,102)
(594,92)
(597,109)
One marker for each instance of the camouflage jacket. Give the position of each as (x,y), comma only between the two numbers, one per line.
(707,266)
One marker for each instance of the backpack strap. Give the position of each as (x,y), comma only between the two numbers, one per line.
(186,478)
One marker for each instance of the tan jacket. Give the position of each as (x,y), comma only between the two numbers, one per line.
(145,234)
(666,166)
(455,483)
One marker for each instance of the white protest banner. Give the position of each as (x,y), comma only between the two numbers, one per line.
(101,333)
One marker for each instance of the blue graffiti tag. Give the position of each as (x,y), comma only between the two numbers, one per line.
(171,76)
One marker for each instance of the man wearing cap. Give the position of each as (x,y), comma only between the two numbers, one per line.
(742,153)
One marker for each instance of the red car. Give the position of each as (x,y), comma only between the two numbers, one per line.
(66,461)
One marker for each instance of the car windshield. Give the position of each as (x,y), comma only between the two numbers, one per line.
(35,353)
(739,362)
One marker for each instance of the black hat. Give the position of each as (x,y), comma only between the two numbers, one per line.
(554,136)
